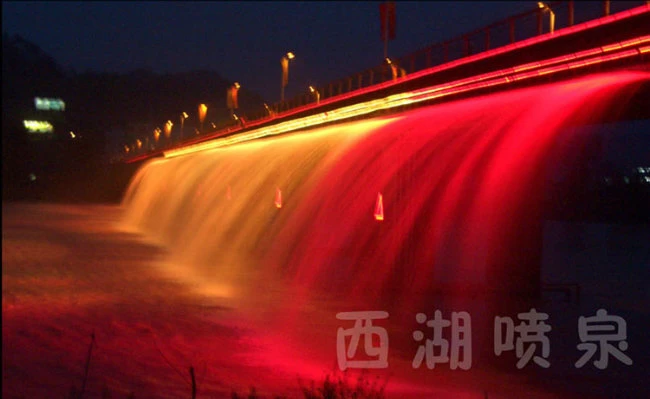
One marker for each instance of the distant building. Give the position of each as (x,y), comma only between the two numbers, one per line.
(46,120)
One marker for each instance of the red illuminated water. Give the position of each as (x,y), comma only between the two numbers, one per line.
(455,179)
(461,185)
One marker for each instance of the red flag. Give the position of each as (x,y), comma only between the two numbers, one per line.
(387,20)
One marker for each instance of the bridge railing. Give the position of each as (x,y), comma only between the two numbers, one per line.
(539,20)
(513,29)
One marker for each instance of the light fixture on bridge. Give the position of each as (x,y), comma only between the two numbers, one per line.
(316,94)
(284,62)
(183,117)
(545,8)
(168,130)
(232,102)
(203,110)
(269,110)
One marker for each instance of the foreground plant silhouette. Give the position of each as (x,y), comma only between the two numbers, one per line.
(335,386)
(338,386)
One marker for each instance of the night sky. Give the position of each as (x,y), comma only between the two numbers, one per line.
(242,41)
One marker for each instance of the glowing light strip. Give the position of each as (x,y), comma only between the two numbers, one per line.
(527,75)
(466,60)
(549,62)
(482,81)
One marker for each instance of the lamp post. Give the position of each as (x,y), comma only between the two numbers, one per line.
(183,117)
(269,110)
(168,130)
(393,68)
(545,8)
(284,62)
(203,109)
(231,99)
(316,94)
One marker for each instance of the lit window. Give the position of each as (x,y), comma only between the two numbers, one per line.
(49,104)
(38,126)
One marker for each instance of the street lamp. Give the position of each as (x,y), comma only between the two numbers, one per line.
(231,100)
(396,70)
(203,109)
(392,67)
(284,62)
(269,110)
(183,117)
(545,8)
(316,94)
(168,130)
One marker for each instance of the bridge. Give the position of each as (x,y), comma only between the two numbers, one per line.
(555,41)
(557,63)
(385,139)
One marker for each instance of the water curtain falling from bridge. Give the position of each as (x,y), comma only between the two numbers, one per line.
(460,189)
